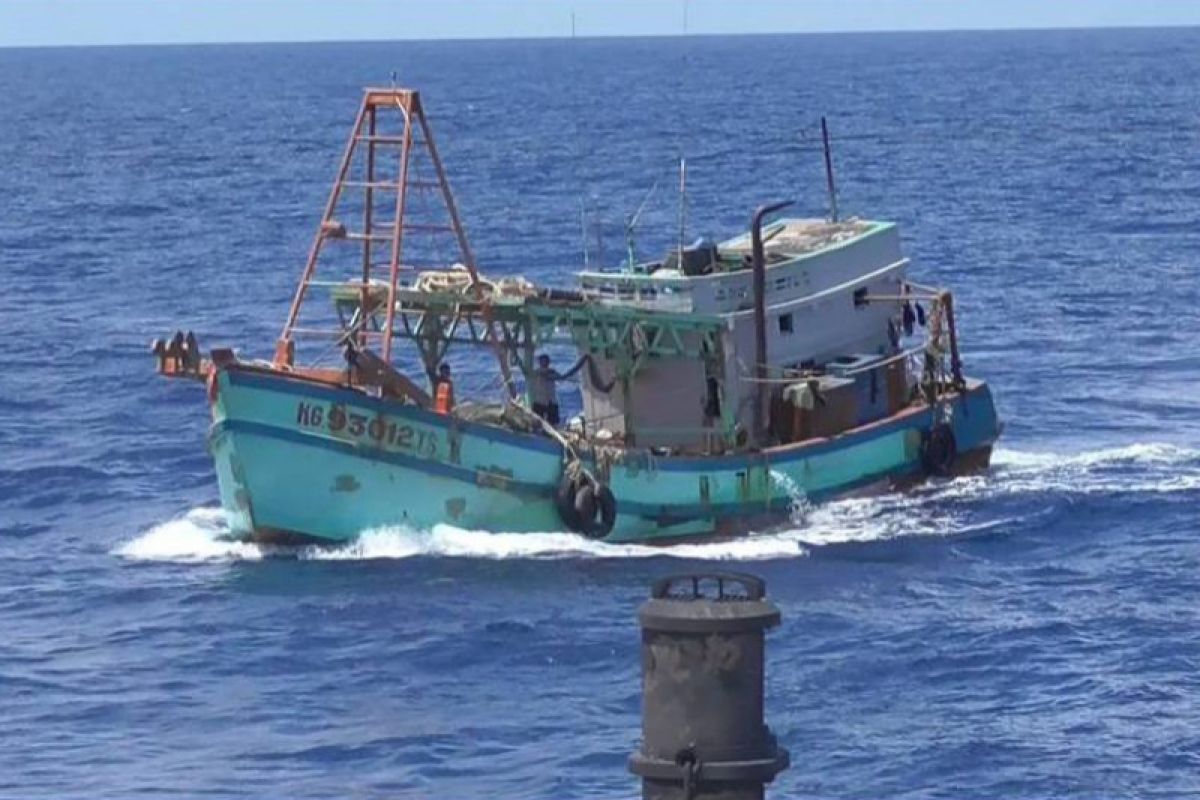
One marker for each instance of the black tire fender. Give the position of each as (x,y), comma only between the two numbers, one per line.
(597,507)
(606,506)
(564,502)
(939,450)
(585,506)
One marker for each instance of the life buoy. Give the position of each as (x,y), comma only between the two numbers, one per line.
(939,450)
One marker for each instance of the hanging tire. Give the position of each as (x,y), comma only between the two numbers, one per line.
(585,505)
(600,506)
(939,450)
(606,507)
(564,502)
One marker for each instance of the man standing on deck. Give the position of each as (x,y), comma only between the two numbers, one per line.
(443,397)
(543,390)
(543,387)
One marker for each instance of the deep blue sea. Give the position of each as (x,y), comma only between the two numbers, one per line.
(1032,632)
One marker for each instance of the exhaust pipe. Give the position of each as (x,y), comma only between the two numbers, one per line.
(760,316)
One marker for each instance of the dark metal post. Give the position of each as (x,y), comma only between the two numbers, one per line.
(703,735)
(368,243)
(833,203)
(760,315)
(955,360)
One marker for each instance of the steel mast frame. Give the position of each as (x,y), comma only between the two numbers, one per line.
(416,133)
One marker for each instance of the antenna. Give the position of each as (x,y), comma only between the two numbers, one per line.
(631,257)
(583,205)
(598,229)
(829,178)
(682,151)
(682,207)
(631,221)
(583,232)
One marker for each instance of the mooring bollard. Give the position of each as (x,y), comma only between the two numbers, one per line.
(703,734)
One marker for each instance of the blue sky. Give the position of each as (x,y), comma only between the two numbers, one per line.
(56,22)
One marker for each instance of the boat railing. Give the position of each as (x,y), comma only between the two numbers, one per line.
(643,291)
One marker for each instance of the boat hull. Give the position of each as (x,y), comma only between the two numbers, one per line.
(302,460)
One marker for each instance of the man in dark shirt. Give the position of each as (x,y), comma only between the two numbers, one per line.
(543,390)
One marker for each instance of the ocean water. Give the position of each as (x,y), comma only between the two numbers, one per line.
(1031,632)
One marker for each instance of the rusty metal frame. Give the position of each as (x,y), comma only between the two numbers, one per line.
(314,252)
(398,222)
(407,103)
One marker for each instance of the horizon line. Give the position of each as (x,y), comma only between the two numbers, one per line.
(604,36)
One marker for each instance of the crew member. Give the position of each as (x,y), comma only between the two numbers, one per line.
(543,390)
(543,387)
(443,394)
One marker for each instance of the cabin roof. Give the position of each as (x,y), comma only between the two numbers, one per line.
(804,236)
(783,240)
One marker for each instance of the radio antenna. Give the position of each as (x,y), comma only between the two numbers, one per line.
(583,232)
(578,136)
(631,222)
(682,207)
(682,151)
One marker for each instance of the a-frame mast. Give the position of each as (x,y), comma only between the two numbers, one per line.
(415,137)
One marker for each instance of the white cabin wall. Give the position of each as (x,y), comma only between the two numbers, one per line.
(602,410)
(800,278)
(667,393)
(821,331)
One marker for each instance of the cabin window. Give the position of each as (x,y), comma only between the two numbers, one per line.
(785,324)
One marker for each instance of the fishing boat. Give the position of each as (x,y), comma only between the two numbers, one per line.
(719,383)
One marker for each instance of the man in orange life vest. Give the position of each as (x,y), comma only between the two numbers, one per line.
(443,396)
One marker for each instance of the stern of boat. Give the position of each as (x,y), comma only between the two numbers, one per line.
(976,427)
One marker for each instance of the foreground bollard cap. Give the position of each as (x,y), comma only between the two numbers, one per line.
(703,734)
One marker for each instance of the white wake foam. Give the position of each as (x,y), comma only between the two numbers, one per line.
(447,540)
(202,535)
(199,535)
(941,508)
(799,505)
(1137,469)
(1152,453)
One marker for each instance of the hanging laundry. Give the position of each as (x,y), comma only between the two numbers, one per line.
(893,335)
(909,318)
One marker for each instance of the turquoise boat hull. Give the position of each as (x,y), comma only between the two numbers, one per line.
(300,460)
